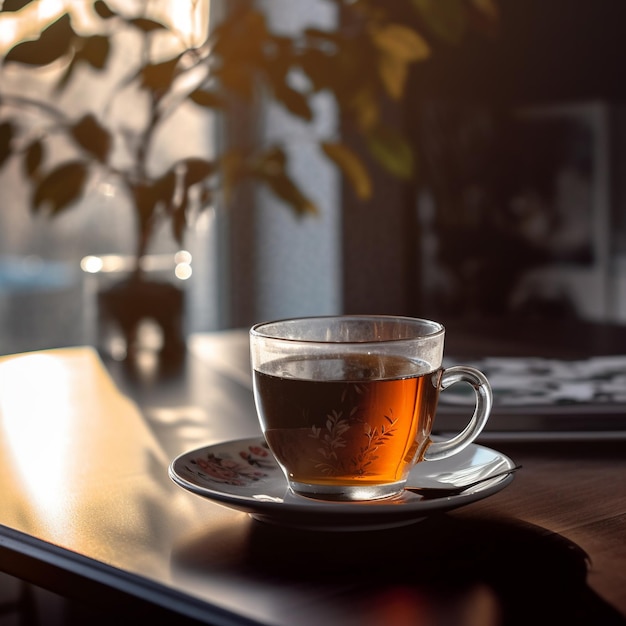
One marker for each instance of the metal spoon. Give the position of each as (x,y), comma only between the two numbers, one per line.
(455,490)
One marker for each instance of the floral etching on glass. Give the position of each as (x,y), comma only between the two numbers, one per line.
(331,437)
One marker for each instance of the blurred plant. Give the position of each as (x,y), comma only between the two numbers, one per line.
(364,64)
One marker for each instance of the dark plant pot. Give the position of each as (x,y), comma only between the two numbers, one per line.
(135,310)
(133,301)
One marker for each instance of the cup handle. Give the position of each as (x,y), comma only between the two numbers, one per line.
(484,400)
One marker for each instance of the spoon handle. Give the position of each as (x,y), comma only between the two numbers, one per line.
(440,492)
(486,478)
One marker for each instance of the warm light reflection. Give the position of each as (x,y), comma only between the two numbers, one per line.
(183,270)
(36,421)
(182,256)
(111,263)
(80,467)
(91,264)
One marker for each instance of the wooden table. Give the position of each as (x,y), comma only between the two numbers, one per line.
(87,510)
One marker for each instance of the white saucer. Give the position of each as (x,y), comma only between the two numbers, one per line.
(243,475)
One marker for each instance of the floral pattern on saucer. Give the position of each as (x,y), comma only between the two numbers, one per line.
(225,469)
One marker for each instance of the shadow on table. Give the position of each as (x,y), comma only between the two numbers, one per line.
(439,571)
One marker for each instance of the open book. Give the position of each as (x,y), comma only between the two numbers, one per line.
(541,395)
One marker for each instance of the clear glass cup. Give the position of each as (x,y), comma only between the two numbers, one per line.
(347,403)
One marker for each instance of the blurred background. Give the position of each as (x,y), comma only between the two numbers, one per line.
(516,205)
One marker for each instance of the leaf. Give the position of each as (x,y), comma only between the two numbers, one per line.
(241,36)
(294,101)
(6,138)
(392,151)
(398,46)
(164,188)
(365,110)
(33,159)
(271,169)
(92,137)
(284,187)
(393,75)
(159,77)
(15,5)
(207,99)
(319,67)
(146,25)
(61,187)
(244,51)
(352,167)
(94,51)
(103,10)
(446,18)
(401,42)
(53,43)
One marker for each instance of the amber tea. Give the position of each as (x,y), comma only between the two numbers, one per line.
(347,420)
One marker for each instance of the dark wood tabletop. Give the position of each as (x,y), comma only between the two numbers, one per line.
(107,525)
